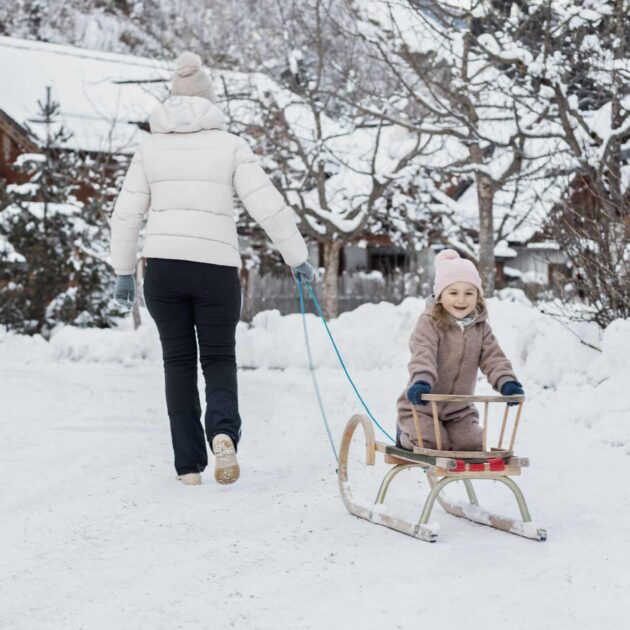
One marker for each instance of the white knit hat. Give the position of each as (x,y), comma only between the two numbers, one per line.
(451,268)
(191,79)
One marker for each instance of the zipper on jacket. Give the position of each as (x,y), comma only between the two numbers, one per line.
(461,360)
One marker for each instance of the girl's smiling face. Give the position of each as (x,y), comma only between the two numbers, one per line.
(459,299)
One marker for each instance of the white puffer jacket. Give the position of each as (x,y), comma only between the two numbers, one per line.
(183,176)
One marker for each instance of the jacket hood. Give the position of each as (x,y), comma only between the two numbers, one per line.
(186,114)
(430,302)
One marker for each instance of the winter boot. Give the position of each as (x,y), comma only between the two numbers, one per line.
(226,469)
(190,479)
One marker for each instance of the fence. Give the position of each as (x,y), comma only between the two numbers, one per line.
(270,291)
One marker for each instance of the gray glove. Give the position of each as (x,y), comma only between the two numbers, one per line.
(125,291)
(305,272)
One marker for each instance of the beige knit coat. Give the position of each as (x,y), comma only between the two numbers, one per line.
(182,182)
(448,361)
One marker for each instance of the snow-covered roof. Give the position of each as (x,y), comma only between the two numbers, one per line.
(544,245)
(501,250)
(96,105)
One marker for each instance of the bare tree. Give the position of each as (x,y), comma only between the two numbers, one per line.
(460,81)
(333,163)
(585,70)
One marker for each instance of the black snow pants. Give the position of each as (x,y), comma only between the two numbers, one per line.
(184,298)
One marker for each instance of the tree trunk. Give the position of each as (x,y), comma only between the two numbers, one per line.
(485,198)
(246,295)
(332,251)
(616,210)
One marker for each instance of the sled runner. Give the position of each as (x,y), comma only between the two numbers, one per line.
(443,468)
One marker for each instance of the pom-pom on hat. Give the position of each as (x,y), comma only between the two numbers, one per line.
(191,79)
(450,267)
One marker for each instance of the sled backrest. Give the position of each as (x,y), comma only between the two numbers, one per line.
(486,400)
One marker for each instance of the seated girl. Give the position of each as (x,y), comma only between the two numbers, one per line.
(451,341)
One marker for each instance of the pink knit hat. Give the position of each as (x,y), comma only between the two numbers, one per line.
(451,268)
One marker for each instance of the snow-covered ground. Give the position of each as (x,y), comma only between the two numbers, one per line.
(97,534)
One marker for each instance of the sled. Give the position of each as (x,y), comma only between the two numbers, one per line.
(443,468)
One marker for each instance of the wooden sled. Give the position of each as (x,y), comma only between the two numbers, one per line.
(443,468)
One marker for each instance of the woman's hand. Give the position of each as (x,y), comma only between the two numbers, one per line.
(125,291)
(305,271)
(414,393)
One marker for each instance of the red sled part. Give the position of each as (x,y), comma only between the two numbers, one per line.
(496,463)
(476,467)
(460,466)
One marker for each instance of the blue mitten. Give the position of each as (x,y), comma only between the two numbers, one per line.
(305,271)
(512,388)
(414,393)
(125,291)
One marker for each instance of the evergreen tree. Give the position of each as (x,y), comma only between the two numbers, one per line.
(53,246)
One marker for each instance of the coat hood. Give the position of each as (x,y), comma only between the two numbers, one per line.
(186,114)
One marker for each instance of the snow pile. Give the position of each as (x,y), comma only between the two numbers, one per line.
(545,353)
(22,348)
(375,336)
(602,402)
(370,337)
(562,375)
(96,345)
(90,345)
(616,350)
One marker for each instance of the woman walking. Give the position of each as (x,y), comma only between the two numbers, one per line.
(182,180)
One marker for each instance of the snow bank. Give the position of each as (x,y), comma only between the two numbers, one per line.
(94,345)
(104,346)
(22,348)
(544,352)
(370,337)
(562,375)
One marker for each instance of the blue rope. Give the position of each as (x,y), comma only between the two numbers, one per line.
(312,369)
(343,365)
